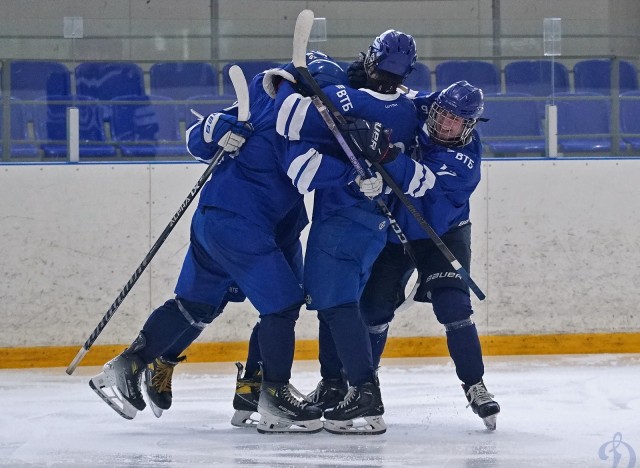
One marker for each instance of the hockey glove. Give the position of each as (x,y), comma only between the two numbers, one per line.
(356,73)
(371,187)
(225,131)
(372,140)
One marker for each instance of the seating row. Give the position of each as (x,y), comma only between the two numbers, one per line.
(514,123)
(150,125)
(134,125)
(179,80)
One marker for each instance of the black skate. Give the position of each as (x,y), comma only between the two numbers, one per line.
(328,393)
(363,402)
(285,410)
(157,383)
(122,377)
(245,400)
(482,403)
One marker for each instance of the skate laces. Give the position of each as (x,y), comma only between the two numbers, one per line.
(314,397)
(478,394)
(162,374)
(351,393)
(293,396)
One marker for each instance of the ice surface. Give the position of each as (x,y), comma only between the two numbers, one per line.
(557,411)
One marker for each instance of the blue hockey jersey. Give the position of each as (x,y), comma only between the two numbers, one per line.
(315,160)
(446,204)
(253,184)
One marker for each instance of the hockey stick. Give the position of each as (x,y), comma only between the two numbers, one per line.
(300,40)
(242,94)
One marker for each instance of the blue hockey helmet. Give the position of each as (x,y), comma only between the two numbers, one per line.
(311,55)
(326,72)
(392,52)
(454,114)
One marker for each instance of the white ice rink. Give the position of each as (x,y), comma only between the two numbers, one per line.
(557,411)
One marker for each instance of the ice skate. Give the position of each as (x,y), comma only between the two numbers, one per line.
(328,393)
(245,400)
(359,413)
(482,403)
(119,384)
(157,383)
(285,410)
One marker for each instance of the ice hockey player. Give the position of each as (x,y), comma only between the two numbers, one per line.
(452,150)
(232,241)
(348,229)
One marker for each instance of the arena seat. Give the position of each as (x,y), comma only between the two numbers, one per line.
(32,79)
(513,126)
(594,76)
(20,145)
(583,122)
(107,80)
(534,77)
(484,75)
(146,126)
(50,126)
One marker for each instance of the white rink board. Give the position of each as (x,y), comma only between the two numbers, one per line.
(555,245)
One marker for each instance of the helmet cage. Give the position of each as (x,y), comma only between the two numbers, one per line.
(447,128)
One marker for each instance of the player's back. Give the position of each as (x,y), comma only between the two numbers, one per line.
(254,184)
(394,111)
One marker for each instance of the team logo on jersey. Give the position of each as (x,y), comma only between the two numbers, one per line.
(308,299)
(382,225)
(444,171)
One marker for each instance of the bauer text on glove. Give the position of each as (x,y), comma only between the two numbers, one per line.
(372,141)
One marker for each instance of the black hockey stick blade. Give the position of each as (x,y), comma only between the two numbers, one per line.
(242,94)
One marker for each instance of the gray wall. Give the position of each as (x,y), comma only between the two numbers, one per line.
(551,249)
(152,30)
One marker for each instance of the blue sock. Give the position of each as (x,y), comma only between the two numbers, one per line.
(351,338)
(378,341)
(277,344)
(253,356)
(330,364)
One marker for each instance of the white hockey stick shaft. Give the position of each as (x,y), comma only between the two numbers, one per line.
(242,94)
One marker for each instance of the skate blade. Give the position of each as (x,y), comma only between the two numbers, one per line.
(157,411)
(367,425)
(243,419)
(100,383)
(284,426)
(490,422)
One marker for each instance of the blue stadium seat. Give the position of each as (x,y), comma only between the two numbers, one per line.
(583,115)
(50,125)
(107,80)
(420,78)
(250,69)
(630,118)
(20,146)
(33,79)
(146,126)
(534,77)
(594,76)
(484,75)
(205,104)
(513,126)
(179,80)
